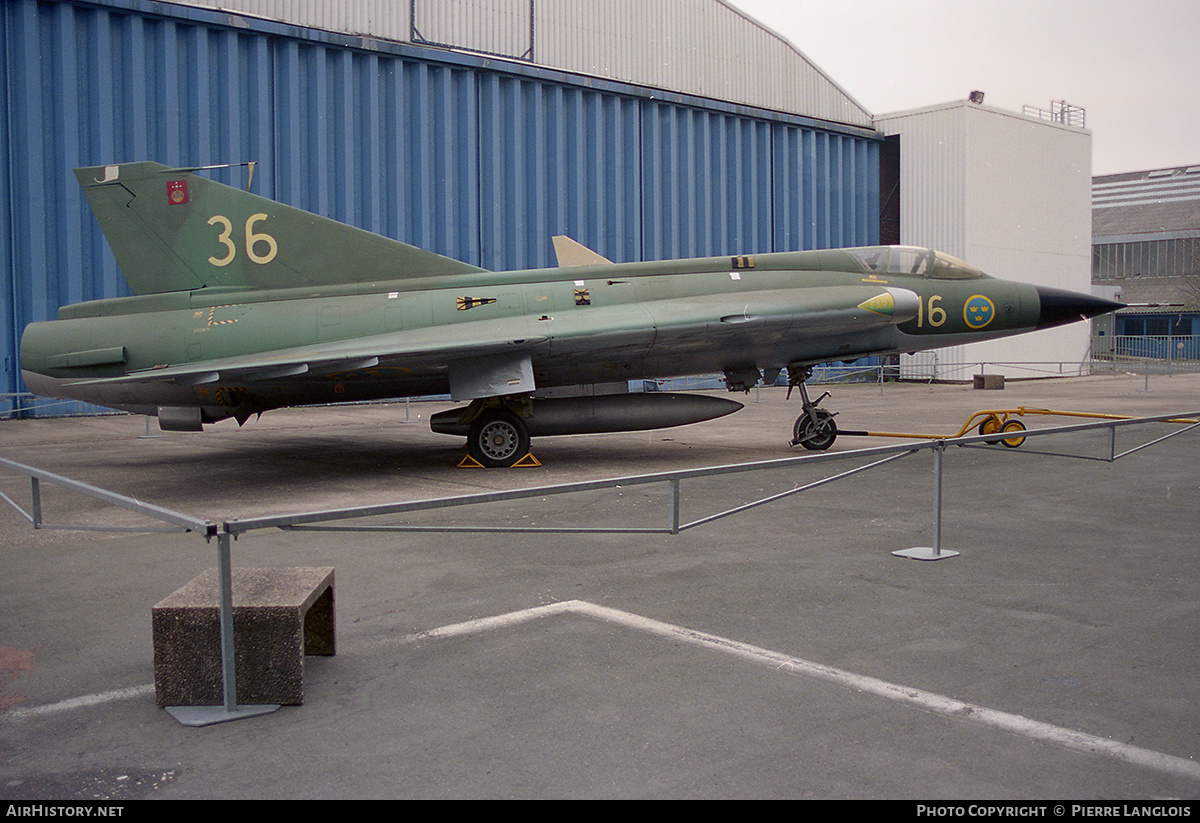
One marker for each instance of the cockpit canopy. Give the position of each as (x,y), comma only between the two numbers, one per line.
(914,262)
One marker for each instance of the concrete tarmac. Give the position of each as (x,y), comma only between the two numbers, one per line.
(782,652)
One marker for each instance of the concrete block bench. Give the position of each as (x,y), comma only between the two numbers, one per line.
(279,615)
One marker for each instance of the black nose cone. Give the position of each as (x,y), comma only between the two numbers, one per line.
(1060,306)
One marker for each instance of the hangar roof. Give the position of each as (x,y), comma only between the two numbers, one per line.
(1160,295)
(1155,202)
(705,48)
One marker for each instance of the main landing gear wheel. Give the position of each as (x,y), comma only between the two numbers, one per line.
(815,435)
(498,438)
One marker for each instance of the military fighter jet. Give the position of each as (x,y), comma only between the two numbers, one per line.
(240,305)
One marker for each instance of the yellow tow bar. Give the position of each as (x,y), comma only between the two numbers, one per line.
(1000,422)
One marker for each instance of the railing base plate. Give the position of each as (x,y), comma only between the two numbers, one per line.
(924,553)
(211,715)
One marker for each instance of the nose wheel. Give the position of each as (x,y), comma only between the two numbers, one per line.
(814,428)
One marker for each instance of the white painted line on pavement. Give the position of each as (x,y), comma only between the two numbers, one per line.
(21,713)
(946,706)
(949,707)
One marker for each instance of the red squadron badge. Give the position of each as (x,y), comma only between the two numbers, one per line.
(177,193)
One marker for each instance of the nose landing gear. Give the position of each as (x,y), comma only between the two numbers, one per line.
(814,429)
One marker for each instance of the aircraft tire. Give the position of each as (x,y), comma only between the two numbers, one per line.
(990,426)
(1013,426)
(817,436)
(498,438)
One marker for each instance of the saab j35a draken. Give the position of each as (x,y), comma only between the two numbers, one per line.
(240,304)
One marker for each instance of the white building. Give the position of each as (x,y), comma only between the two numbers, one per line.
(1010,193)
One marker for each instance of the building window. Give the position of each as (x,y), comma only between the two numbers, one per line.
(1146,258)
(1153,326)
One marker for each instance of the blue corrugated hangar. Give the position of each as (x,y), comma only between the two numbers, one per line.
(478,129)
(429,122)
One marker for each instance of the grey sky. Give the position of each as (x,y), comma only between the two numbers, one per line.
(1134,65)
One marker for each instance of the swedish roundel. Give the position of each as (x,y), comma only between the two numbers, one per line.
(978,311)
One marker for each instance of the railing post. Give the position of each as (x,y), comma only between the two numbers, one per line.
(675,506)
(933,552)
(228,659)
(939,449)
(35,501)
(209,715)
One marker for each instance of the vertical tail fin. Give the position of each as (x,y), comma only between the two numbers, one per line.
(172,230)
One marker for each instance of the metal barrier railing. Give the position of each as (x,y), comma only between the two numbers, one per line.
(1168,348)
(929,368)
(178,521)
(878,455)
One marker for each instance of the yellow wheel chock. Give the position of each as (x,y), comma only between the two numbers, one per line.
(526,462)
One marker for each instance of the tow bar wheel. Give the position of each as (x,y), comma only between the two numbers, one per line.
(990,426)
(1009,428)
